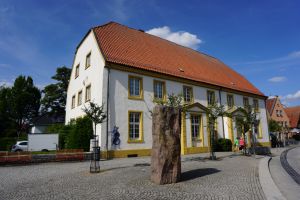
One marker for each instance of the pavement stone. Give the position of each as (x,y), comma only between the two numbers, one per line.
(230,177)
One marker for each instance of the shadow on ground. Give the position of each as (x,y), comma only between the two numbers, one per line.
(196,173)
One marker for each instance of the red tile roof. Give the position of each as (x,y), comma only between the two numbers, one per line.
(294,115)
(270,103)
(126,46)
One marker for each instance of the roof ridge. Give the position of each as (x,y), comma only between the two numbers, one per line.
(173,43)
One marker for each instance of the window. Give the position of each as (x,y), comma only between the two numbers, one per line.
(257,130)
(159,89)
(88,60)
(286,124)
(246,102)
(135,126)
(88,93)
(195,126)
(77,71)
(277,113)
(79,99)
(73,102)
(280,113)
(135,85)
(187,94)
(230,101)
(210,97)
(255,104)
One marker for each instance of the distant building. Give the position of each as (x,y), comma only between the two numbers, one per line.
(41,123)
(277,112)
(125,69)
(294,116)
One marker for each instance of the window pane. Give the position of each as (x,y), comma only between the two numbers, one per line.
(134,86)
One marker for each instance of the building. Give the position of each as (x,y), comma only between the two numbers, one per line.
(277,112)
(41,123)
(294,117)
(125,69)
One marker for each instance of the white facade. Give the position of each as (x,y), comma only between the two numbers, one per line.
(118,104)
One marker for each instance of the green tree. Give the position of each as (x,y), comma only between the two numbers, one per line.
(274,126)
(213,112)
(55,95)
(4,111)
(23,102)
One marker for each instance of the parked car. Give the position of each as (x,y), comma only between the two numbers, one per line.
(20,146)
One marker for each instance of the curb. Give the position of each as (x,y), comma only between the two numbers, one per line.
(288,168)
(270,189)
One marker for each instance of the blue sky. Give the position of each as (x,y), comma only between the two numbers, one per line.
(259,39)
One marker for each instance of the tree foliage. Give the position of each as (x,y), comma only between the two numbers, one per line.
(274,126)
(171,101)
(23,102)
(55,95)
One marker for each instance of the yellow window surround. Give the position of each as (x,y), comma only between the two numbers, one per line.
(260,134)
(256,105)
(164,91)
(211,97)
(189,90)
(191,122)
(141,132)
(141,92)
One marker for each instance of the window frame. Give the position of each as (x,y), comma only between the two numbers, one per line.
(197,138)
(244,100)
(141,95)
(73,101)
(79,92)
(208,92)
(191,95)
(140,139)
(77,72)
(230,95)
(163,89)
(89,55)
(90,93)
(256,105)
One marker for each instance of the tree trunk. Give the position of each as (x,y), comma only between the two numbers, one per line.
(165,160)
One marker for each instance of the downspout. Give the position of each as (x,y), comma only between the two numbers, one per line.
(107,107)
(220,99)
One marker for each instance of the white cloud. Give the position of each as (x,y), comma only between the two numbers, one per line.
(277,79)
(180,37)
(291,97)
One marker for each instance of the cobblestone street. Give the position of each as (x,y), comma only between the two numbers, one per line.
(231,177)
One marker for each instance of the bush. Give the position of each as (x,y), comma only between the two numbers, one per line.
(62,131)
(224,144)
(76,135)
(6,143)
(80,134)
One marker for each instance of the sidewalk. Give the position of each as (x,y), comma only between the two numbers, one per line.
(286,185)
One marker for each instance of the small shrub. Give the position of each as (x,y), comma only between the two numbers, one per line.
(224,144)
